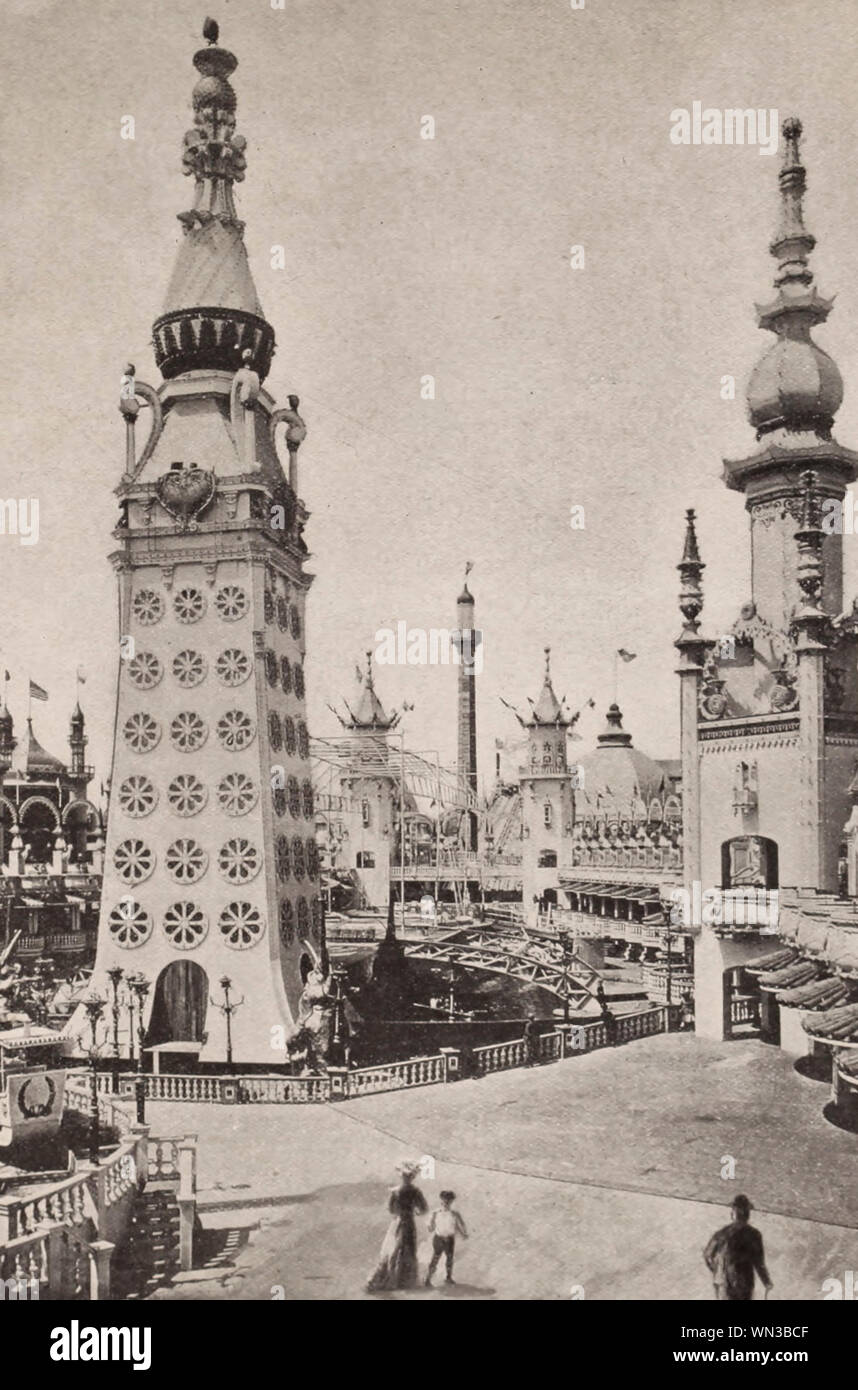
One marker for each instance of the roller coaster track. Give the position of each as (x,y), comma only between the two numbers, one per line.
(519,957)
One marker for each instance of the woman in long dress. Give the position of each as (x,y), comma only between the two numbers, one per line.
(397,1263)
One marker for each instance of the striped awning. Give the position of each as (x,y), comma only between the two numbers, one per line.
(775,960)
(800,972)
(833,1025)
(819,994)
(849,1064)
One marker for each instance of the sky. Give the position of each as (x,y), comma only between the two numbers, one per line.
(555,387)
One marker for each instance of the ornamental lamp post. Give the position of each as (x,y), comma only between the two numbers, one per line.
(115,975)
(139,986)
(339,1032)
(564,944)
(227,1008)
(94,1007)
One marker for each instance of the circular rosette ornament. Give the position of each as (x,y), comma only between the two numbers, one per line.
(241,925)
(185,925)
(235,730)
(231,602)
(237,794)
(129,923)
(239,861)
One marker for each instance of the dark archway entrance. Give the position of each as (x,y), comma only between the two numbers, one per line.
(180,1003)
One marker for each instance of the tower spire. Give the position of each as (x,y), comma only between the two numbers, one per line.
(796,386)
(212,314)
(691,568)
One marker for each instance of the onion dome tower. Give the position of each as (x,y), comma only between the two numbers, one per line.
(769,710)
(793,395)
(211,861)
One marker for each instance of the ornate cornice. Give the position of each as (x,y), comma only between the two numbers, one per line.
(754,731)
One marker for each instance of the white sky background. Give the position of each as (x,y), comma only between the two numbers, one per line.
(405,256)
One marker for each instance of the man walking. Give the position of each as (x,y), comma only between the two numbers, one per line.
(734,1253)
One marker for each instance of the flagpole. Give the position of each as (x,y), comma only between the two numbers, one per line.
(616,676)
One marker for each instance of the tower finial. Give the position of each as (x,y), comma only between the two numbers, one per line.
(212,316)
(796,386)
(793,243)
(690,569)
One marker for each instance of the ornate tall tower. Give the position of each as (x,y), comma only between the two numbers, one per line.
(547,797)
(371,783)
(211,862)
(769,709)
(466,763)
(78,771)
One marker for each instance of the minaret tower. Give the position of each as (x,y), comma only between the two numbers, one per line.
(372,785)
(211,863)
(769,709)
(466,764)
(78,772)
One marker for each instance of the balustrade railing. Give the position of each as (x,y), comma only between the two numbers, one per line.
(744,1011)
(58,1241)
(78,1096)
(340,1083)
(395,1076)
(586,1037)
(279,1090)
(499,1056)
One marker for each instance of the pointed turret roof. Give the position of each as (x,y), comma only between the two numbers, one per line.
(548,709)
(212,313)
(369,716)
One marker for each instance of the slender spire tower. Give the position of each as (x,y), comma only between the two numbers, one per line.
(466,764)
(211,863)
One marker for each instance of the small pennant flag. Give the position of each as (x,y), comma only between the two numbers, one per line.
(499,743)
(81,676)
(469,565)
(6,676)
(626,656)
(36,692)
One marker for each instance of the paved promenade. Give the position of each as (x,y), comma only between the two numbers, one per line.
(600,1174)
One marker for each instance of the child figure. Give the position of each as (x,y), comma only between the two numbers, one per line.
(444,1225)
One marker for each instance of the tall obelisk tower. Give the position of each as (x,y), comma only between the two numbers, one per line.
(466,768)
(211,864)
